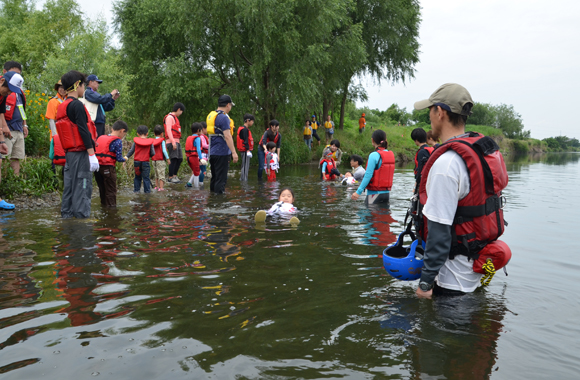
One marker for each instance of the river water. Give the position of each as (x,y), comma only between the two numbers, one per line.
(184,285)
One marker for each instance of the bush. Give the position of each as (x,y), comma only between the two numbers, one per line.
(36,178)
(37,143)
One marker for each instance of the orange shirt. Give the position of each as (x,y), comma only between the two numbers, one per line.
(52,106)
(361,123)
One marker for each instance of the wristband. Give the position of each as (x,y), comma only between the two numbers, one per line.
(2,142)
(91,155)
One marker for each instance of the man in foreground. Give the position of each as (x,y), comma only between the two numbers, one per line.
(453,197)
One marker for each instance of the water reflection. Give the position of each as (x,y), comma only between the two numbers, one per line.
(183,282)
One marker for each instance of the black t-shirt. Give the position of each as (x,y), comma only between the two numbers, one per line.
(78,115)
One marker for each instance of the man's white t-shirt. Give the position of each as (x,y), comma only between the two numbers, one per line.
(447,183)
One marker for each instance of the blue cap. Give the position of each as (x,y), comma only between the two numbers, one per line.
(15,81)
(93,77)
(313,115)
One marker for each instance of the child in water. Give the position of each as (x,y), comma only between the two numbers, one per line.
(284,206)
(271,161)
(348,179)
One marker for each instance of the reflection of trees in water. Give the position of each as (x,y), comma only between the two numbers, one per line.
(516,162)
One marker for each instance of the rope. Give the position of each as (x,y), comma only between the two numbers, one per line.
(489,272)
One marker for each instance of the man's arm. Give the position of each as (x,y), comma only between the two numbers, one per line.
(116,147)
(422,157)
(110,105)
(436,254)
(95,97)
(278,146)
(230,142)
(169,122)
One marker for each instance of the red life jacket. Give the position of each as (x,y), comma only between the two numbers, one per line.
(479,217)
(329,166)
(142,148)
(70,137)
(190,146)
(276,138)
(175,128)
(204,150)
(59,153)
(240,142)
(429,149)
(158,156)
(104,154)
(11,100)
(382,178)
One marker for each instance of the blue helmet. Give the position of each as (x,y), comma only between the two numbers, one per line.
(402,262)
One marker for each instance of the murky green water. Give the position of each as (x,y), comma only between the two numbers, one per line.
(183,285)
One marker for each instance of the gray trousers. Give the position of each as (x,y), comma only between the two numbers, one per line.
(245,166)
(78,186)
(373,199)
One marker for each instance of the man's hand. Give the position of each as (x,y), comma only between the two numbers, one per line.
(115,94)
(422,294)
(234,157)
(6,132)
(25,131)
(168,162)
(3,148)
(354,196)
(174,144)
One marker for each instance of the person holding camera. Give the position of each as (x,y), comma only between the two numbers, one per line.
(98,104)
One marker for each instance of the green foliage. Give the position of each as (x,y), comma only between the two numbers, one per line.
(421,116)
(275,58)
(562,143)
(36,178)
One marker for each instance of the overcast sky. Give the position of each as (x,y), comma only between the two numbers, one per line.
(519,52)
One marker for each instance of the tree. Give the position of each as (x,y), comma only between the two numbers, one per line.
(421,116)
(483,114)
(509,121)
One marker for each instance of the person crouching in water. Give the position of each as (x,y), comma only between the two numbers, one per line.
(109,151)
(378,177)
(329,172)
(77,135)
(271,161)
(193,154)
(143,149)
(284,206)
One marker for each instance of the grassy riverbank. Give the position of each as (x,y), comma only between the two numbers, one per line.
(37,177)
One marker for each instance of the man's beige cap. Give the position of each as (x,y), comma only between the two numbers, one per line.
(453,95)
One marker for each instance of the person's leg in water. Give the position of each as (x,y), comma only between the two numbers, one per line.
(373,199)
(261,158)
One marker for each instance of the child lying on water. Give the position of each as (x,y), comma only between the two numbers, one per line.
(284,206)
(348,179)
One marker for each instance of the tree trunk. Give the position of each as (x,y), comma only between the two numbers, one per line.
(343,107)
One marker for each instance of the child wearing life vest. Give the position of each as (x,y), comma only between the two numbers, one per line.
(283,207)
(161,157)
(109,150)
(143,149)
(307,133)
(378,178)
(271,161)
(348,179)
(334,149)
(193,154)
(329,172)
(245,145)
(204,153)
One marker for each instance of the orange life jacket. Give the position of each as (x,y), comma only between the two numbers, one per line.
(104,155)
(158,156)
(68,131)
(175,128)
(142,148)
(59,153)
(382,178)
(240,142)
(190,146)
